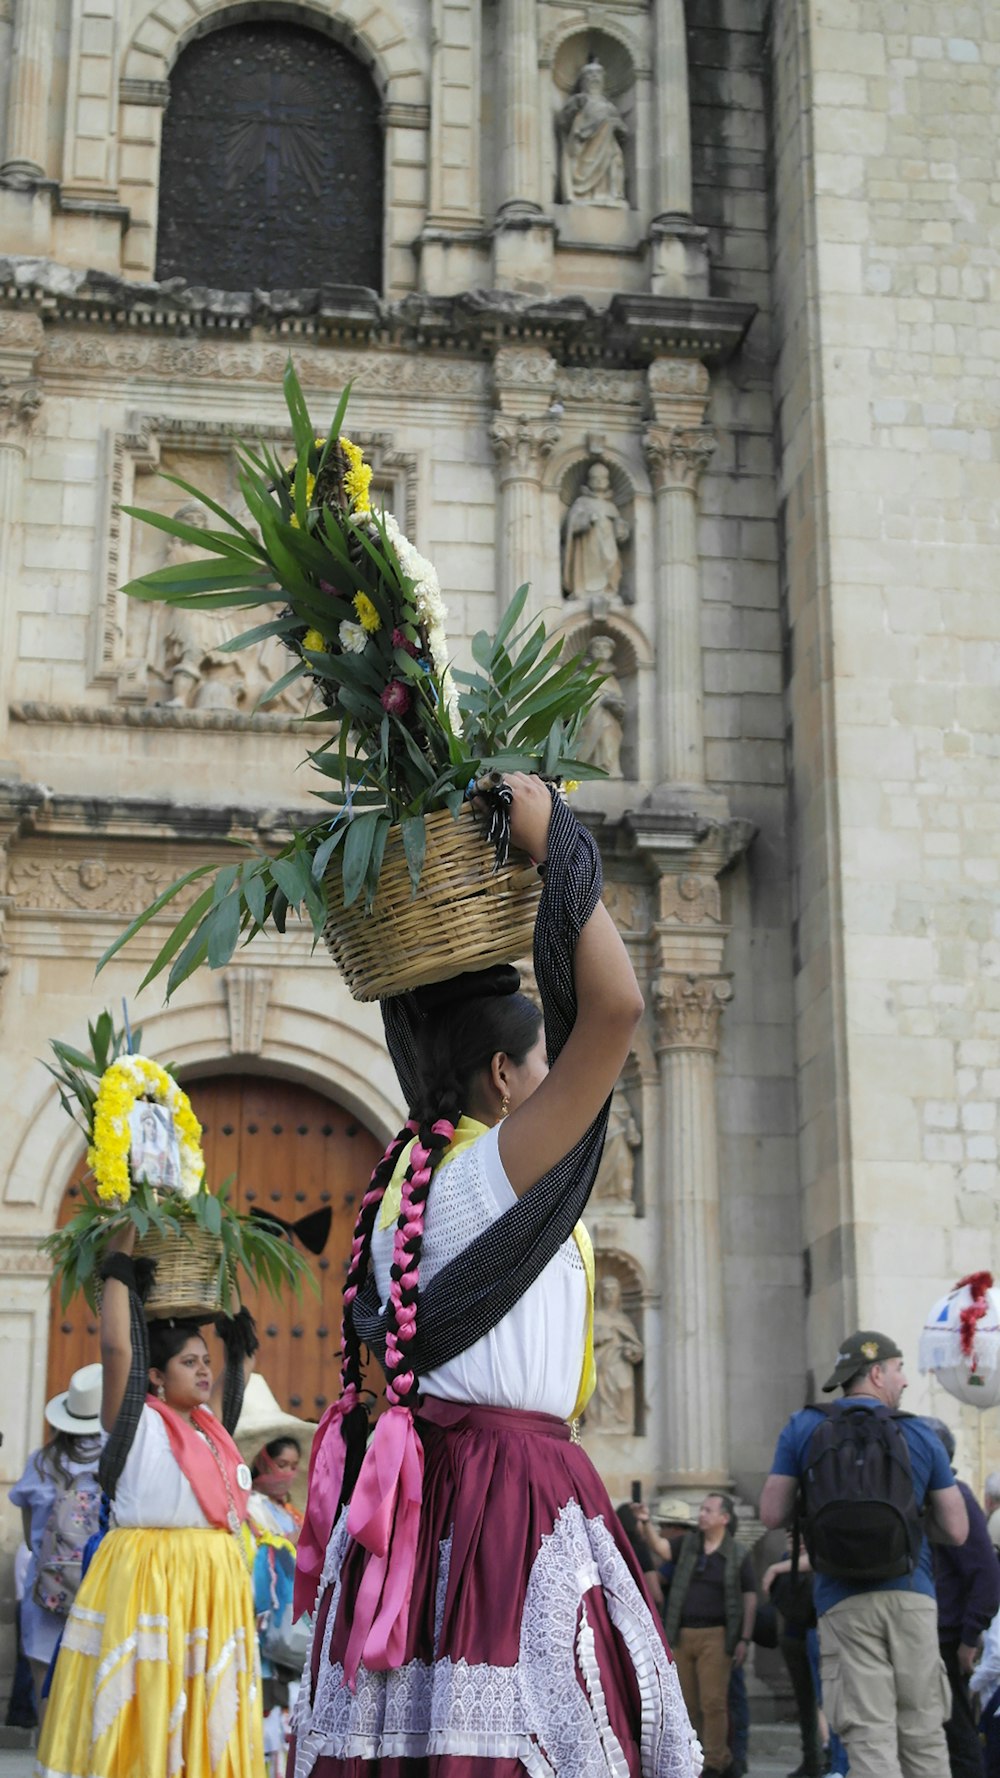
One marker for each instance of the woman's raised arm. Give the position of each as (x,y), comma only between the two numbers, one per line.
(116,1338)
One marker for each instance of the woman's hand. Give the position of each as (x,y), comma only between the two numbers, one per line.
(530,814)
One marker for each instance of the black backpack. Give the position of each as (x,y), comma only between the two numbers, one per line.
(857,1511)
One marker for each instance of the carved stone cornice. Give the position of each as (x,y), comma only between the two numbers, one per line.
(631,330)
(522,444)
(524,376)
(152,716)
(677,390)
(688,1010)
(678,455)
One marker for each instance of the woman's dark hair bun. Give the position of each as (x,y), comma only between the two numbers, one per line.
(475,984)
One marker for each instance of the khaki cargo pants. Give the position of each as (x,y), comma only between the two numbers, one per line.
(885,1690)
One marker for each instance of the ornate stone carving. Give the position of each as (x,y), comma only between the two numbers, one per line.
(688,1010)
(591,133)
(186,645)
(600,739)
(678,455)
(626,903)
(20,330)
(522,444)
(19,405)
(594,531)
(609,388)
(148,716)
(89,883)
(527,368)
(670,377)
(614,1187)
(247,995)
(257,362)
(618,1349)
(691,899)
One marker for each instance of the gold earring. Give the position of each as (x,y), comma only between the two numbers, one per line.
(504,1105)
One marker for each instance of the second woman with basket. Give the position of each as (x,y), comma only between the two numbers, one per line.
(478,1612)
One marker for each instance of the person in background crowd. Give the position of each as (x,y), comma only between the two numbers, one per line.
(633,1516)
(275,1524)
(21,1712)
(157,1673)
(792,1597)
(69,1461)
(967,1584)
(710,1614)
(984,1686)
(991,1506)
(884,1686)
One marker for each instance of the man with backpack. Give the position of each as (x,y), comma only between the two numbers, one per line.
(864,1483)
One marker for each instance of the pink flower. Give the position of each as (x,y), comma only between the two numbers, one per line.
(403,642)
(395,699)
(327,586)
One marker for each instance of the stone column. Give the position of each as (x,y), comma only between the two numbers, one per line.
(524,432)
(688,1009)
(28,97)
(678,448)
(679,263)
(20,400)
(523,235)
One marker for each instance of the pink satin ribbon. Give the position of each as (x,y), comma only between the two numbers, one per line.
(384,1517)
(326,1479)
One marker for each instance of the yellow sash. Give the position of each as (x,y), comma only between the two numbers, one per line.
(468,1131)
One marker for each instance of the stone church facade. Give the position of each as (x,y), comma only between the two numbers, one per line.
(688,317)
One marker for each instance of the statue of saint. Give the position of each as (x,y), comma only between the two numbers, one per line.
(591,132)
(200,677)
(617,1351)
(593,532)
(615,1180)
(599,742)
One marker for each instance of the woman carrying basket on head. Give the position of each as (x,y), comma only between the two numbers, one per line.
(158,1669)
(478,1612)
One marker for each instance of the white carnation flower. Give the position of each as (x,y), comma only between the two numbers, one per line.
(352,637)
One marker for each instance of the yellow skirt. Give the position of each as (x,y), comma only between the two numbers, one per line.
(158,1671)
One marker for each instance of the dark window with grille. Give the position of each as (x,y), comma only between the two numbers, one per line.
(271,167)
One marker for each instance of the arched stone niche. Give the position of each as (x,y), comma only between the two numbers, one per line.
(615,733)
(596,531)
(618,1405)
(594,218)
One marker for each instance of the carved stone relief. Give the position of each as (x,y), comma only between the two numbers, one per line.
(603,730)
(614,1187)
(596,532)
(617,1402)
(162,657)
(628,906)
(247,994)
(91,884)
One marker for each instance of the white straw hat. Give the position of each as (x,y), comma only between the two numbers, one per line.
(78,1408)
(262,1421)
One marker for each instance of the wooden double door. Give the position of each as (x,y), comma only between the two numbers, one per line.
(290,1151)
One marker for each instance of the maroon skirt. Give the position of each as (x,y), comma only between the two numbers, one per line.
(532,1648)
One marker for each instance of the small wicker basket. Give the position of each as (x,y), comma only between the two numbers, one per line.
(187,1272)
(465,915)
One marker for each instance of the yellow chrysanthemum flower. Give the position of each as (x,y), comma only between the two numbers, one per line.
(570,785)
(358,479)
(368,617)
(314,641)
(310,486)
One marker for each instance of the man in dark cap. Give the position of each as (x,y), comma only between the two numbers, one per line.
(967,1582)
(862,1474)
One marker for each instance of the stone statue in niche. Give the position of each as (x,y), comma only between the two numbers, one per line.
(617,1351)
(614,1187)
(591,132)
(188,643)
(593,533)
(599,742)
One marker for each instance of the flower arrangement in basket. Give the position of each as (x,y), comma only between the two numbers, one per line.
(145,1166)
(361,613)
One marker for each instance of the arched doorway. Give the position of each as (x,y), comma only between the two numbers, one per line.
(291,1150)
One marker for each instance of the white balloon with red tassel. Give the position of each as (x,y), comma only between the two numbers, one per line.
(960,1342)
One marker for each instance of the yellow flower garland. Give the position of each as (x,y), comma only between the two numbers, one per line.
(129,1079)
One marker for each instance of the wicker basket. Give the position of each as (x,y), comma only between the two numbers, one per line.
(187,1272)
(465,915)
